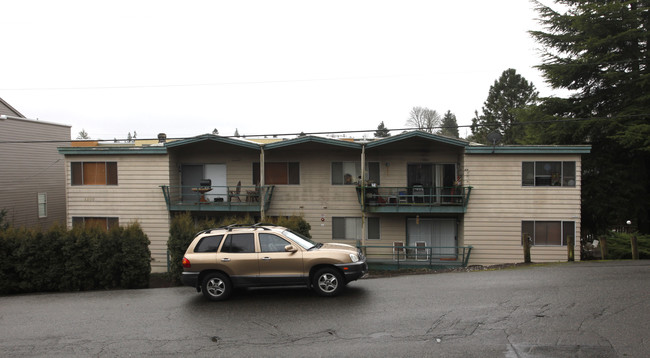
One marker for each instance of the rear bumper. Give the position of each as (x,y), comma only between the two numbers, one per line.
(354,271)
(190,279)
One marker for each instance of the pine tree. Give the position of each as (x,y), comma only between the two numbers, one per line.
(449,125)
(599,50)
(510,93)
(83,134)
(382,131)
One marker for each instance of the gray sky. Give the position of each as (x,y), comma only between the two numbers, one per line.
(263,67)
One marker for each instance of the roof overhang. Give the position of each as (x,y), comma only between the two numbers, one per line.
(312,140)
(112,150)
(529,149)
(213,138)
(418,134)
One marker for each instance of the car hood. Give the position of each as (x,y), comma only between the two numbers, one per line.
(339,247)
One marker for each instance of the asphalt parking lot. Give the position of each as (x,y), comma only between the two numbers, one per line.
(585,309)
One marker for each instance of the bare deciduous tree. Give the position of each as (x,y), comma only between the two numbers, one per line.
(424,119)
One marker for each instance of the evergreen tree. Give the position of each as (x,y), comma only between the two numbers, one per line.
(510,93)
(599,50)
(83,134)
(236,132)
(215,131)
(382,131)
(449,125)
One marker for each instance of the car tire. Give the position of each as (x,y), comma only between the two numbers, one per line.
(328,282)
(216,286)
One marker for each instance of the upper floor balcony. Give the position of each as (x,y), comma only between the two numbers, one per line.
(218,198)
(414,199)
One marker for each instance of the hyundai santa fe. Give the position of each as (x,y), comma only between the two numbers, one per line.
(259,255)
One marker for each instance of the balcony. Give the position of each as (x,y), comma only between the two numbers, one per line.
(218,198)
(415,199)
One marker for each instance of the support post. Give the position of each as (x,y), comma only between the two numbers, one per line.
(525,238)
(635,248)
(603,248)
(261,186)
(570,248)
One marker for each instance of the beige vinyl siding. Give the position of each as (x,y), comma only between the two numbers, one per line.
(315,198)
(499,203)
(137,197)
(29,167)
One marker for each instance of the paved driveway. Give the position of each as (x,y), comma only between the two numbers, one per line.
(599,309)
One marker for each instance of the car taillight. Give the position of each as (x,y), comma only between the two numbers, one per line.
(186,263)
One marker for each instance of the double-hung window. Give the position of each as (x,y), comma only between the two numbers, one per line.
(42,205)
(548,233)
(278,173)
(349,228)
(93,173)
(548,174)
(348,173)
(104,223)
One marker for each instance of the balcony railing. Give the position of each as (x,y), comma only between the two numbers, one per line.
(217,198)
(414,199)
(406,256)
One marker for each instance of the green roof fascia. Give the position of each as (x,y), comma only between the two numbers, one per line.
(529,149)
(213,138)
(112,150)
(418,134)
(312,139)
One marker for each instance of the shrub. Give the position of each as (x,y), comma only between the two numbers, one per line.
(79,259)
(619,247)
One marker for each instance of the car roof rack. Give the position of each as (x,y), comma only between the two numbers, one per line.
(254,226)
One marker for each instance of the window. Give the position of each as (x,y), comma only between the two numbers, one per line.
(350,228)
(272,243)
(209,244)
(42,205)
(278,173)
(548,233)
(548,174)
(101,222)
(348,173)
(239,243)
(94,173)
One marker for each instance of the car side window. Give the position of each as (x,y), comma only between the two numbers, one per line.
(239,243)
(209,244)
(272,243)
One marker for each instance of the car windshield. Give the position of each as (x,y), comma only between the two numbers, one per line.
(299,239)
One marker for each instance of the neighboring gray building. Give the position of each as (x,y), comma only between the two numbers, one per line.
(32,173)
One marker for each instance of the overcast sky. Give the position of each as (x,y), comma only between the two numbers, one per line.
(262,67)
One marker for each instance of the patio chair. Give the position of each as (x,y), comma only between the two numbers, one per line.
(421,252)
(234,194)
(399,250)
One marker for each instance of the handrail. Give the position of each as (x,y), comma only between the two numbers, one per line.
(418,255)
(413,196)
(217,196)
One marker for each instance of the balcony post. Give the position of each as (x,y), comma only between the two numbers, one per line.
(261,186)
(363,195)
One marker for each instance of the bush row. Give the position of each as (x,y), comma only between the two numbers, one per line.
(73,260)
(184,227)
(619,247)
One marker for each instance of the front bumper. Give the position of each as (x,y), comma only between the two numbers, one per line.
(354,271)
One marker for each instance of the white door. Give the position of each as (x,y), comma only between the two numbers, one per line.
(216,173)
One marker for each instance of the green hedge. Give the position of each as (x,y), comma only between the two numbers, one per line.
(184,227)
(73,260)
(619,247)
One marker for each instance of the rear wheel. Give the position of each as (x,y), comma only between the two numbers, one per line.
(216,286)
(328,282)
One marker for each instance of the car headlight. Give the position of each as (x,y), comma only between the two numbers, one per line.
(354,257)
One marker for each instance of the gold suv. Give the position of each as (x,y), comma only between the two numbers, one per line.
(219,260)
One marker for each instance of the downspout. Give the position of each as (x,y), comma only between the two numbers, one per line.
(363,195)
(262,186)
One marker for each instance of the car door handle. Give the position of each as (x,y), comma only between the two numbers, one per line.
(225,260)
(266,258)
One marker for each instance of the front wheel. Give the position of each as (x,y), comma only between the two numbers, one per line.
(328,282)
(216,286)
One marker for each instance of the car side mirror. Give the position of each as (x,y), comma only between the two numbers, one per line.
(290,248)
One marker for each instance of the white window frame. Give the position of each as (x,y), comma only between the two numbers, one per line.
(42,205)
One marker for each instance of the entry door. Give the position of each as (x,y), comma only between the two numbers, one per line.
(434,232)
(191,175)
(216,173)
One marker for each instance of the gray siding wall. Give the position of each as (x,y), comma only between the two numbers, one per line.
(27,169)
